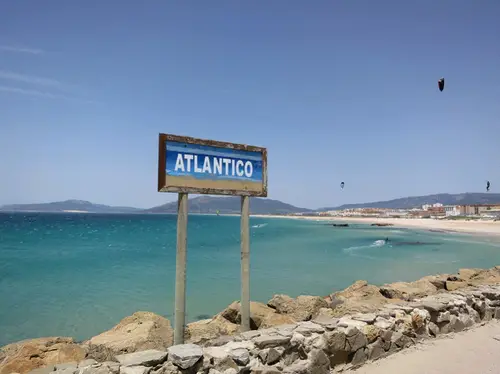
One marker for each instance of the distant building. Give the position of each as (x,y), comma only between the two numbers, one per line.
(452,210)
(429,206)
(396,213)
(430,212)
(492,213)
(477,209)
(470,210)
(436,211)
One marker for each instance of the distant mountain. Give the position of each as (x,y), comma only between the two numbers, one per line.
(230,205)
(75,205)
(417,201)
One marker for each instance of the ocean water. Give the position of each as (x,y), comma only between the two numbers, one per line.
(79,274)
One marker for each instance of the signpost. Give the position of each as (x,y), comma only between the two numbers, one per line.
(189,165)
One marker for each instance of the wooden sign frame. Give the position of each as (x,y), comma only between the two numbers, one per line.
(213,186)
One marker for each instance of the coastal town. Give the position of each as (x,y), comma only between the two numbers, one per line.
(435,211)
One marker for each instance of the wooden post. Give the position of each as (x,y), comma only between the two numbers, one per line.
(245,264)
(180,268)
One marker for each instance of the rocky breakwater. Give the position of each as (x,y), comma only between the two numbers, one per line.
(307,334)
(140,331)
(281,309)
(322,345)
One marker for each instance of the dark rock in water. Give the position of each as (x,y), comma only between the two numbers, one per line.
(203,316)
(414,243)
(381,224)
(340,224)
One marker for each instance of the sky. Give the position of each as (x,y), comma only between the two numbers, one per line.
(335,90)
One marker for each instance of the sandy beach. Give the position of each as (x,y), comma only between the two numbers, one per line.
(471,227)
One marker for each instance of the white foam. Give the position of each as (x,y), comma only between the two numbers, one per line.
(376,243)
(259,226)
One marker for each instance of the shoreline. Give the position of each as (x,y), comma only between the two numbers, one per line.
(466,227)
(476,227)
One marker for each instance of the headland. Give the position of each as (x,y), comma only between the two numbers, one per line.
(306,334)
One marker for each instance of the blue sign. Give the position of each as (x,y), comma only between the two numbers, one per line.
(191,165)
(209,162)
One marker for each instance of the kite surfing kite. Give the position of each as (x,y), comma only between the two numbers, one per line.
(487,185)
(342,185)
(441,84)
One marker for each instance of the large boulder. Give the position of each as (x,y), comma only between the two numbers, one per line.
(228,322)
(283,304)
(476,277)
(140,331)
(205,330)
(467,274)
(438,281)
(455,285)
(302,308)
(259,312)
(276,319)
(27,355)
(408,290)
(360,297)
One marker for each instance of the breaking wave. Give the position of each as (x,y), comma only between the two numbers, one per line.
(376,243)
(259,226)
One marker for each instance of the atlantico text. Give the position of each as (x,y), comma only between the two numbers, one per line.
(222,166)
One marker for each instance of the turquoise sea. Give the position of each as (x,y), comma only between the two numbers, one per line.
(79,274)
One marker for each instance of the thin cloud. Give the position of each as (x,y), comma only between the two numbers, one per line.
(48,95)
(30,79)
(33,51)
(29,92)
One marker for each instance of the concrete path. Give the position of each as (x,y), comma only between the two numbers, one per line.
(476,351)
